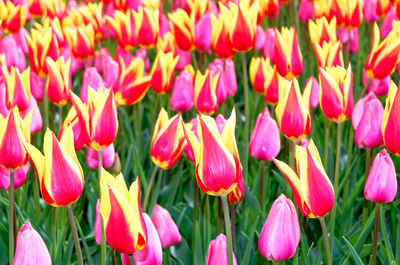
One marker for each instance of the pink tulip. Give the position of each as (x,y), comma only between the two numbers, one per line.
(370,14)
(166,227)
(37,88)
(367,120)
(217,252)
(125,55)
(13,53)
(97,224)
(184,59)
(230,77)
(260,39)
(387,23)
(37,121)
(306,10)
(314,96)
(107,154)
(202,33)
(90,78)
(217,67)
(349,38)
(19,177)
(262,147)
(21,40)
(75,63)
(269,48)
(280,234)
(31,248)
(164,25)
(152,252)
(182,92)
(379,87)
(381,184)
(111,71)
(99,61)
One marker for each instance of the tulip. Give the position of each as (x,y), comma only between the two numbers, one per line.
(315,91)
(258,73)
(59,83)
(31,248)
(217,252)
(184,59)
(348,13)
(329,54)
(37,121)
(19,177)
(261,147)
(306,10)
(181,26)
(124,226)
(288,58)
(205,92)
(14,133)
(230,77)
(98,118)
(203,33)
(91,78)
(217,69)
(168,142)
(167,43)
(336,97)
(147,26)
(182,92)
(72,120)
(163,71)
(35,8)
(216,157)
(80,40)
(367,122)
(380,87)
(14,55)
(390,123)
(37,88)
(12,17)
(280,234)
(292,111)
(350,39)
(237,194)
(322,31)
(270,8)
(384,56)
(18,87)
(387,24)
(59,172)
(20,39)
(311,186)
(269,47)
(370,14)
(221,43)
(123,25)
(188,150)
(107,154)
(166,227)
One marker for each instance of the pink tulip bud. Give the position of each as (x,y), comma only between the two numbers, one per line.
(19,177)
(367,120)
(217,67)
(381,185)
(14,54)
(217,252)
(164,25)
(107,154)
(262,147)
(37,88)
(182,92)
(349,38)
(99,61)
(370,14)
(260,38)
(220,121)
(184,58)
(31,248)
(314,96)
(306,10)
(280,234)
(166,227)
(93,79)
(202,32)
(111,71)
(269,48)
(387,24)
(21,40)
(230,77)
(379,87)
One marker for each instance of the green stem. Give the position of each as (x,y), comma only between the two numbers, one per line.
(261,197)
(326,241)
(233,227)
(113,257)
(153,120)
(367,169)
(227,229)
(131,259)
(375,235)
(247,116)
(275,263)
(103,235)
(326,144)
(54,229)
(168,255)
(11,218)
(147,195)
(219,215)
(194,60)
(36,195)
(75,235)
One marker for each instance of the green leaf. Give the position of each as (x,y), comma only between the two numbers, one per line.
(353,252)
(249,247)
(385,237)
(85,246)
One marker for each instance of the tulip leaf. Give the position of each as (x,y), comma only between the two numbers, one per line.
(385,236)
(353,252)
(85,246)
(249,247)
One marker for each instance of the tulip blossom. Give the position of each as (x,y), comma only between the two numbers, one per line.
(311,186)
(12,17)
(98,118)
(167,43)
(261,147)
(322,31)
(72,120)
(270,8)
(182,92)
(280,234)
(203,33)
(124,226)
(269,47)
(381,184)
(336,97)
(14,54)
(37,87)
(288,58)
(306,10)
(380,87)
(348,13)
(14,133)
(349,39)
(166,227)
(367,119)
(91,78)
(168,142)
(31,248)
(19,177)
(59,82)
(147,26)
(329,54)
(59,172)
(293,111)
(387,23)
(181,26)
(237,194)
(217,252)
(384,56)
(18,87)
(221,43)
(217,69)
(162,73)
(391,121)
(315,91)
(107,156)
(80,40)
(258,73)
(205,92)
(230,77)
(216,157)
(123,25)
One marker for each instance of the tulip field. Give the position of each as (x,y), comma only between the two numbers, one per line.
(217,132)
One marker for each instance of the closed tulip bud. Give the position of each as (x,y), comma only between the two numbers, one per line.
(311,186)
(181,26)
(18,87)
(37,87)
(261,147)
(19,177)
(14,55)
(14,133)
(72,120)
(381,184)
(163,71)
(168,142)
(98,118)
(59,82)
(258,73)
(131,84)
(367,119)
(315,91)
(221,42)
(182,92)
(306,10)
(280,234)
(260,39)
(293,111)
(329,54)
(59,172)
(380,87)
(230,77)
(91,78)
(166,227)
(184,59)
(124,226)
(288,58)
(370,14)
(237,194)
(384,56)
(80,40)
(107,155)
(12,17)
(205,92)
(216,157)
(322,31)
(203,33)
(123,25)
(147,26)
(31,248)
(217,252)
(269,47)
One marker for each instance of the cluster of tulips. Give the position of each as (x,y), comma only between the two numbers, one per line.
(92,59)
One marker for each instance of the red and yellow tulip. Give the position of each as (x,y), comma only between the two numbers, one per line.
(163,70)
(348,13)
(329,54)
(182,27)
(59,83)
(322,31)
(81,40)
(221,42)
(205,92)
(391,120)
(147,26)
(18,88)
(12,17)
(123,25)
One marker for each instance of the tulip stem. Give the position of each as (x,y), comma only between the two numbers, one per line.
(36,194)
(326,144)
(113,257)
(233,227)
(147,195)
(167,255)
(54,229)
(247,116)
(11,217)
(228,230)
(131,259)
(367,169)
(375,235)
(103,235)
(195,206)
(326,241)
(75,235)
(261,198)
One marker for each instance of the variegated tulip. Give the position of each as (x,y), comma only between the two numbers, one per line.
(391,120)
(81,40)
(348,13)
(329,54)
(59,83)
(205,92)
(18,87)
(12,17)
(322,31)
(162,73)
(221,42)
(123,25)
(147,26)
(182,28)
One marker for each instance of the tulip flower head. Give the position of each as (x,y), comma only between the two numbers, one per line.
(182,28)
(182,92)
(348,13)
(147,26)
(329,54)
(162,73)
(18,87)
(322,31)
(237,194)
(81,40)
(123,25)
(59,83)
(12,17)
(311,186)
(217,252)
(166,227)
(205,92)
(221,42)
(19,177)
(124,226)
(391,120)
